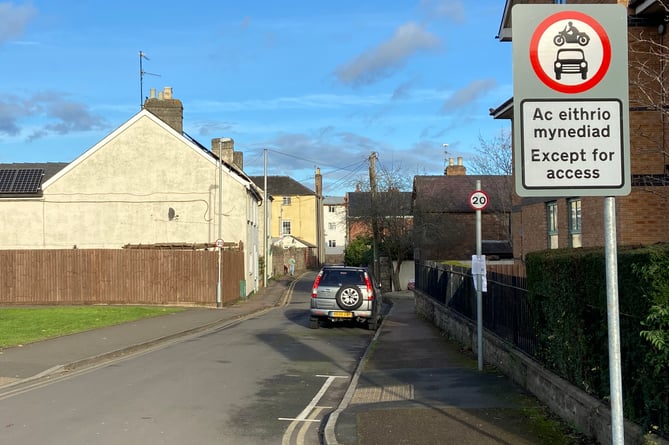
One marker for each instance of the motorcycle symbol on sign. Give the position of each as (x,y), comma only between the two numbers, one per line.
(570,34)
(570,60)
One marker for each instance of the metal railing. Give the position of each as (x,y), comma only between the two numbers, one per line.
(506,310)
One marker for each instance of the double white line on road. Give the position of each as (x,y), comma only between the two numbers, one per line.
(305,417)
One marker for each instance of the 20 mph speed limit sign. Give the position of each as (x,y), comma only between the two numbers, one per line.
(478,200)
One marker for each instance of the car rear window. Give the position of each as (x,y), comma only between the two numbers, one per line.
(342,277)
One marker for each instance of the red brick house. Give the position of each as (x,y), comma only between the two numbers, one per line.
(444,222)
(642,217)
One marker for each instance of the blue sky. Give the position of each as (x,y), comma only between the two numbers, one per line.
(317,83)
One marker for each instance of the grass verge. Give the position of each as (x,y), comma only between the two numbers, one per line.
(20,326)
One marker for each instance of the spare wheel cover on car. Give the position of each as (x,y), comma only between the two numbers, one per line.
(349,297)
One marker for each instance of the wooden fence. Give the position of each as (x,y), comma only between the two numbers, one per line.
(123,276)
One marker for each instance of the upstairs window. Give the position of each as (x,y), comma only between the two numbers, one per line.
(574,206)
(552,224)
(286,201)
(285,227)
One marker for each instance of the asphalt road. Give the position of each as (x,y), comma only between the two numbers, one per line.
(266,379)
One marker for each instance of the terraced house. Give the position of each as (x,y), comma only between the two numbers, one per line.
(146,183)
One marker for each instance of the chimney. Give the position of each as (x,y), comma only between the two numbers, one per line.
(169,110)
(319,182)
(238,159)
(224,149)
(455,170)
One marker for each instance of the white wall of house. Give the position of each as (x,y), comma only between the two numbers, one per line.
(143,184)
(334,220)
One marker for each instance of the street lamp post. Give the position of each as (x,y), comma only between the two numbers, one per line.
(219,296)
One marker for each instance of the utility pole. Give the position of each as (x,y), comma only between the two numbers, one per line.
(374,213)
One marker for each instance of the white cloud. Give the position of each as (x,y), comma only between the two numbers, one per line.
(14,19)
(451,9)
(469,94)
(384,60)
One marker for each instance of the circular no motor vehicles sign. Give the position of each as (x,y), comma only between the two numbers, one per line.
(570,52)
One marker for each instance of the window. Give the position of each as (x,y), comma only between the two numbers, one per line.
(332,243)
(286,201)
(285,227)
(574,222)
(332,226)
(552,224)
(332,209)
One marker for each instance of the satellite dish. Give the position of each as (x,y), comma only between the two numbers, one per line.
(171,213)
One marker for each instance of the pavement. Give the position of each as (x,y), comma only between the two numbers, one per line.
(412,386)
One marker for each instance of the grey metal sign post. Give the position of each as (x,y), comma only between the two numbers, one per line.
(478,200)
(571,118)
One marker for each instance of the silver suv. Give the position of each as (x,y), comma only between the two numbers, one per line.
(345,293)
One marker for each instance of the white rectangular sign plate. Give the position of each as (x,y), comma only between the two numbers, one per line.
(572,144)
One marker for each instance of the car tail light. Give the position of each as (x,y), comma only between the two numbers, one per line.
(370,288)
(314,291)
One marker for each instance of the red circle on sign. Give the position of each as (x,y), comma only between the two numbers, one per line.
(478,200)
(534,52)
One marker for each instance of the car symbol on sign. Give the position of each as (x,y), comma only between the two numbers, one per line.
(570,61)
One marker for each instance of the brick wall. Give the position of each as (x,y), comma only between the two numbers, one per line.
(452,236)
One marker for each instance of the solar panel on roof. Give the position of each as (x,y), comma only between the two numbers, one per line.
(21,180)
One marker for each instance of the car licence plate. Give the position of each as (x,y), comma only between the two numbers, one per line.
(342,315)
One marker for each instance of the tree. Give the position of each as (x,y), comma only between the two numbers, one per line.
(494,156)
(388,217)
(359,252)
(648,94)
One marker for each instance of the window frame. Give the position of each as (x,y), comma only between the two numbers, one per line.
(575,222)
(285,223)
(552,224)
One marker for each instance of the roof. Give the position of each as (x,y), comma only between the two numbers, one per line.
(393,203)
(25,179)
(334,200)
(450,194)
(282,186)
(287,241)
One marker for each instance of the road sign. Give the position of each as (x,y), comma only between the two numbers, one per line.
(478,200)
(572,143)
(571,109)
(570,52)
(219,243)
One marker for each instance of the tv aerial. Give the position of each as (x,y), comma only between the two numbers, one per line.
(142,55)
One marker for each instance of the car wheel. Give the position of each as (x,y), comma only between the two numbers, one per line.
(349,297)
(314,322)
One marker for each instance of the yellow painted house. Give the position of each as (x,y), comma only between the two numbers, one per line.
(296,210)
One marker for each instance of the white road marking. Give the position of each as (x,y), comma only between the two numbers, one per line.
(307,415)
